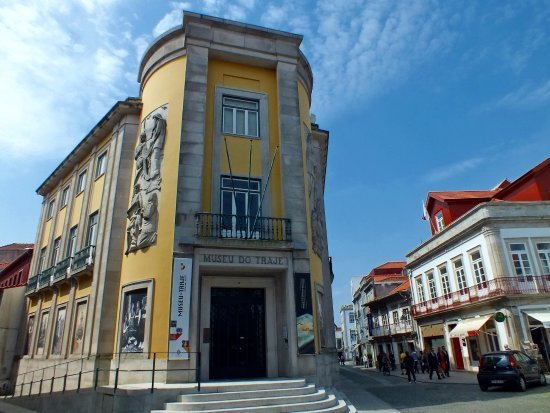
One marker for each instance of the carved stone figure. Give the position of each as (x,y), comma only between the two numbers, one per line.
(143,211)
(316,193)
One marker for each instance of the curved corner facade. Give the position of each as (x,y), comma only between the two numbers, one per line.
(213,258)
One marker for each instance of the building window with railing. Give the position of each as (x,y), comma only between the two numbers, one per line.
(240,116)
(405,315)
(477,265)
(420,289)
(444,275)
(55,251)
(431,284)
(42,260)
(460,274)
(240,199)
(71,243)
(520,260)
(395,316)
(543,251)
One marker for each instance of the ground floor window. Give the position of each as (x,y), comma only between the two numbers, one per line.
(79,328)
(30,330)
(58,330)
(41,342)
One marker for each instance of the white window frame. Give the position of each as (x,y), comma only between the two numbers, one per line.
(247,111)
(420,289)
(395,316)
(91,232)
(101,164)
(55,251)
(432,288)
(385,320)
(520,260)
(405,315)
(478,268)
(460,274)
(351,317)
(71,242)
(439,222)
(51,205)
(81,182)
(543,255)
(444,277)
(64,197)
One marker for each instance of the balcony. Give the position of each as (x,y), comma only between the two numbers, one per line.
(31,284)
(83,259)
(62,269)
(45,278)
(242,227)
(392,329)
(498,287)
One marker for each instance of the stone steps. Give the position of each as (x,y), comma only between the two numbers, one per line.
(261,396)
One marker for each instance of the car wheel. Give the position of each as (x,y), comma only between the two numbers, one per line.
(483,387)
(542,379)
(522,384)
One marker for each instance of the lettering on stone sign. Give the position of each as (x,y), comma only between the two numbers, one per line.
(243,259)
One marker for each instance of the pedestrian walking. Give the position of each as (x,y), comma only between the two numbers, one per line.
(415,360)
(392,361)
(365,360)
(433,364)
(401,363)
(423,362)
(447,368)
(408,362)
(379,358)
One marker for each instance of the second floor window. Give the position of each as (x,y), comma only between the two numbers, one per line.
(71,244)
(351,318)
(55,253)
(405,315)
(420,290)
(240,116)
(431,285)
(444,279)
(520,259)
(91,234)
(42,260)
(395,317)
(384,319)
(353,336)
(543,249)
(477,265)
(460,274)
(81,183)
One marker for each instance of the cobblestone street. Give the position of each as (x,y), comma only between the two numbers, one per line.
(370,391)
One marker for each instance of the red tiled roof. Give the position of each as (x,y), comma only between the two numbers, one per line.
(403,287)
(452,195)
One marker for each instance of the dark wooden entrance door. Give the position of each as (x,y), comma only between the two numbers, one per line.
(237,327)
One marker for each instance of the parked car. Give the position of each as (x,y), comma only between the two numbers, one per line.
(508,368)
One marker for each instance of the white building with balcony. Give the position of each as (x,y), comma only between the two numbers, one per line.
(482,282)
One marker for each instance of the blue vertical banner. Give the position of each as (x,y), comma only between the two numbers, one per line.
(178,344)
(304,313)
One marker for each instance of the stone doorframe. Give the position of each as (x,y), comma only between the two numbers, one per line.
(268,284)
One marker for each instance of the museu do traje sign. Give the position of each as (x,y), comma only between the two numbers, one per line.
(178,344)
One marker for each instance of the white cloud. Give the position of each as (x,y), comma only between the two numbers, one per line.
(171,19)
(452,170)
(524,98)
(64,65)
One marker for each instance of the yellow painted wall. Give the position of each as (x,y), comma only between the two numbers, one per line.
(84,287)
(47,300)
(165,86)
(238,76)
(97,194)
(33,305)
(46,234)
(77,209)
(59,220)
(63,295)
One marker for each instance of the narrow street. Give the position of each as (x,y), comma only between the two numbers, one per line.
(370,391)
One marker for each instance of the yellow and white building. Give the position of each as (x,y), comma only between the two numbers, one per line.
(188,227)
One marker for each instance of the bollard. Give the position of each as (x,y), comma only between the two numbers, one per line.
(153,373)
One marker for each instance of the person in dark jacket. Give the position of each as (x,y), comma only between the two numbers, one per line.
(447,361)
(408,362)
(433,364)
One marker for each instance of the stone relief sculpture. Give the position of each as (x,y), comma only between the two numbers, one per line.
(316,193)
(143,211)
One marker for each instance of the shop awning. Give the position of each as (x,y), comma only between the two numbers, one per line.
(542,316)
(469,326)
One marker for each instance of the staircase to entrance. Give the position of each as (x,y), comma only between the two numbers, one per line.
(258,396)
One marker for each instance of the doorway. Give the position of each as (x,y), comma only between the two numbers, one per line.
(457,353)
(238,339)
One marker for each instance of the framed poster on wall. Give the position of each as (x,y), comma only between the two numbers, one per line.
(134,313)
(304,313)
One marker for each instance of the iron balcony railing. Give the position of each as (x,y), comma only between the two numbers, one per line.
(392,329)
(62,269)
(31,284)
(45,278)
(83,258)
(242,227)
(498,287)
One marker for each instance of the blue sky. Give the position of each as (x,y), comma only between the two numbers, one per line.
(417,95)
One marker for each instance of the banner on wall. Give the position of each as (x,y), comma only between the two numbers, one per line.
(304,313)
(178,344)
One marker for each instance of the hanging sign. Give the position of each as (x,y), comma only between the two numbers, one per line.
(499,316)
(178,344)
(304,313)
